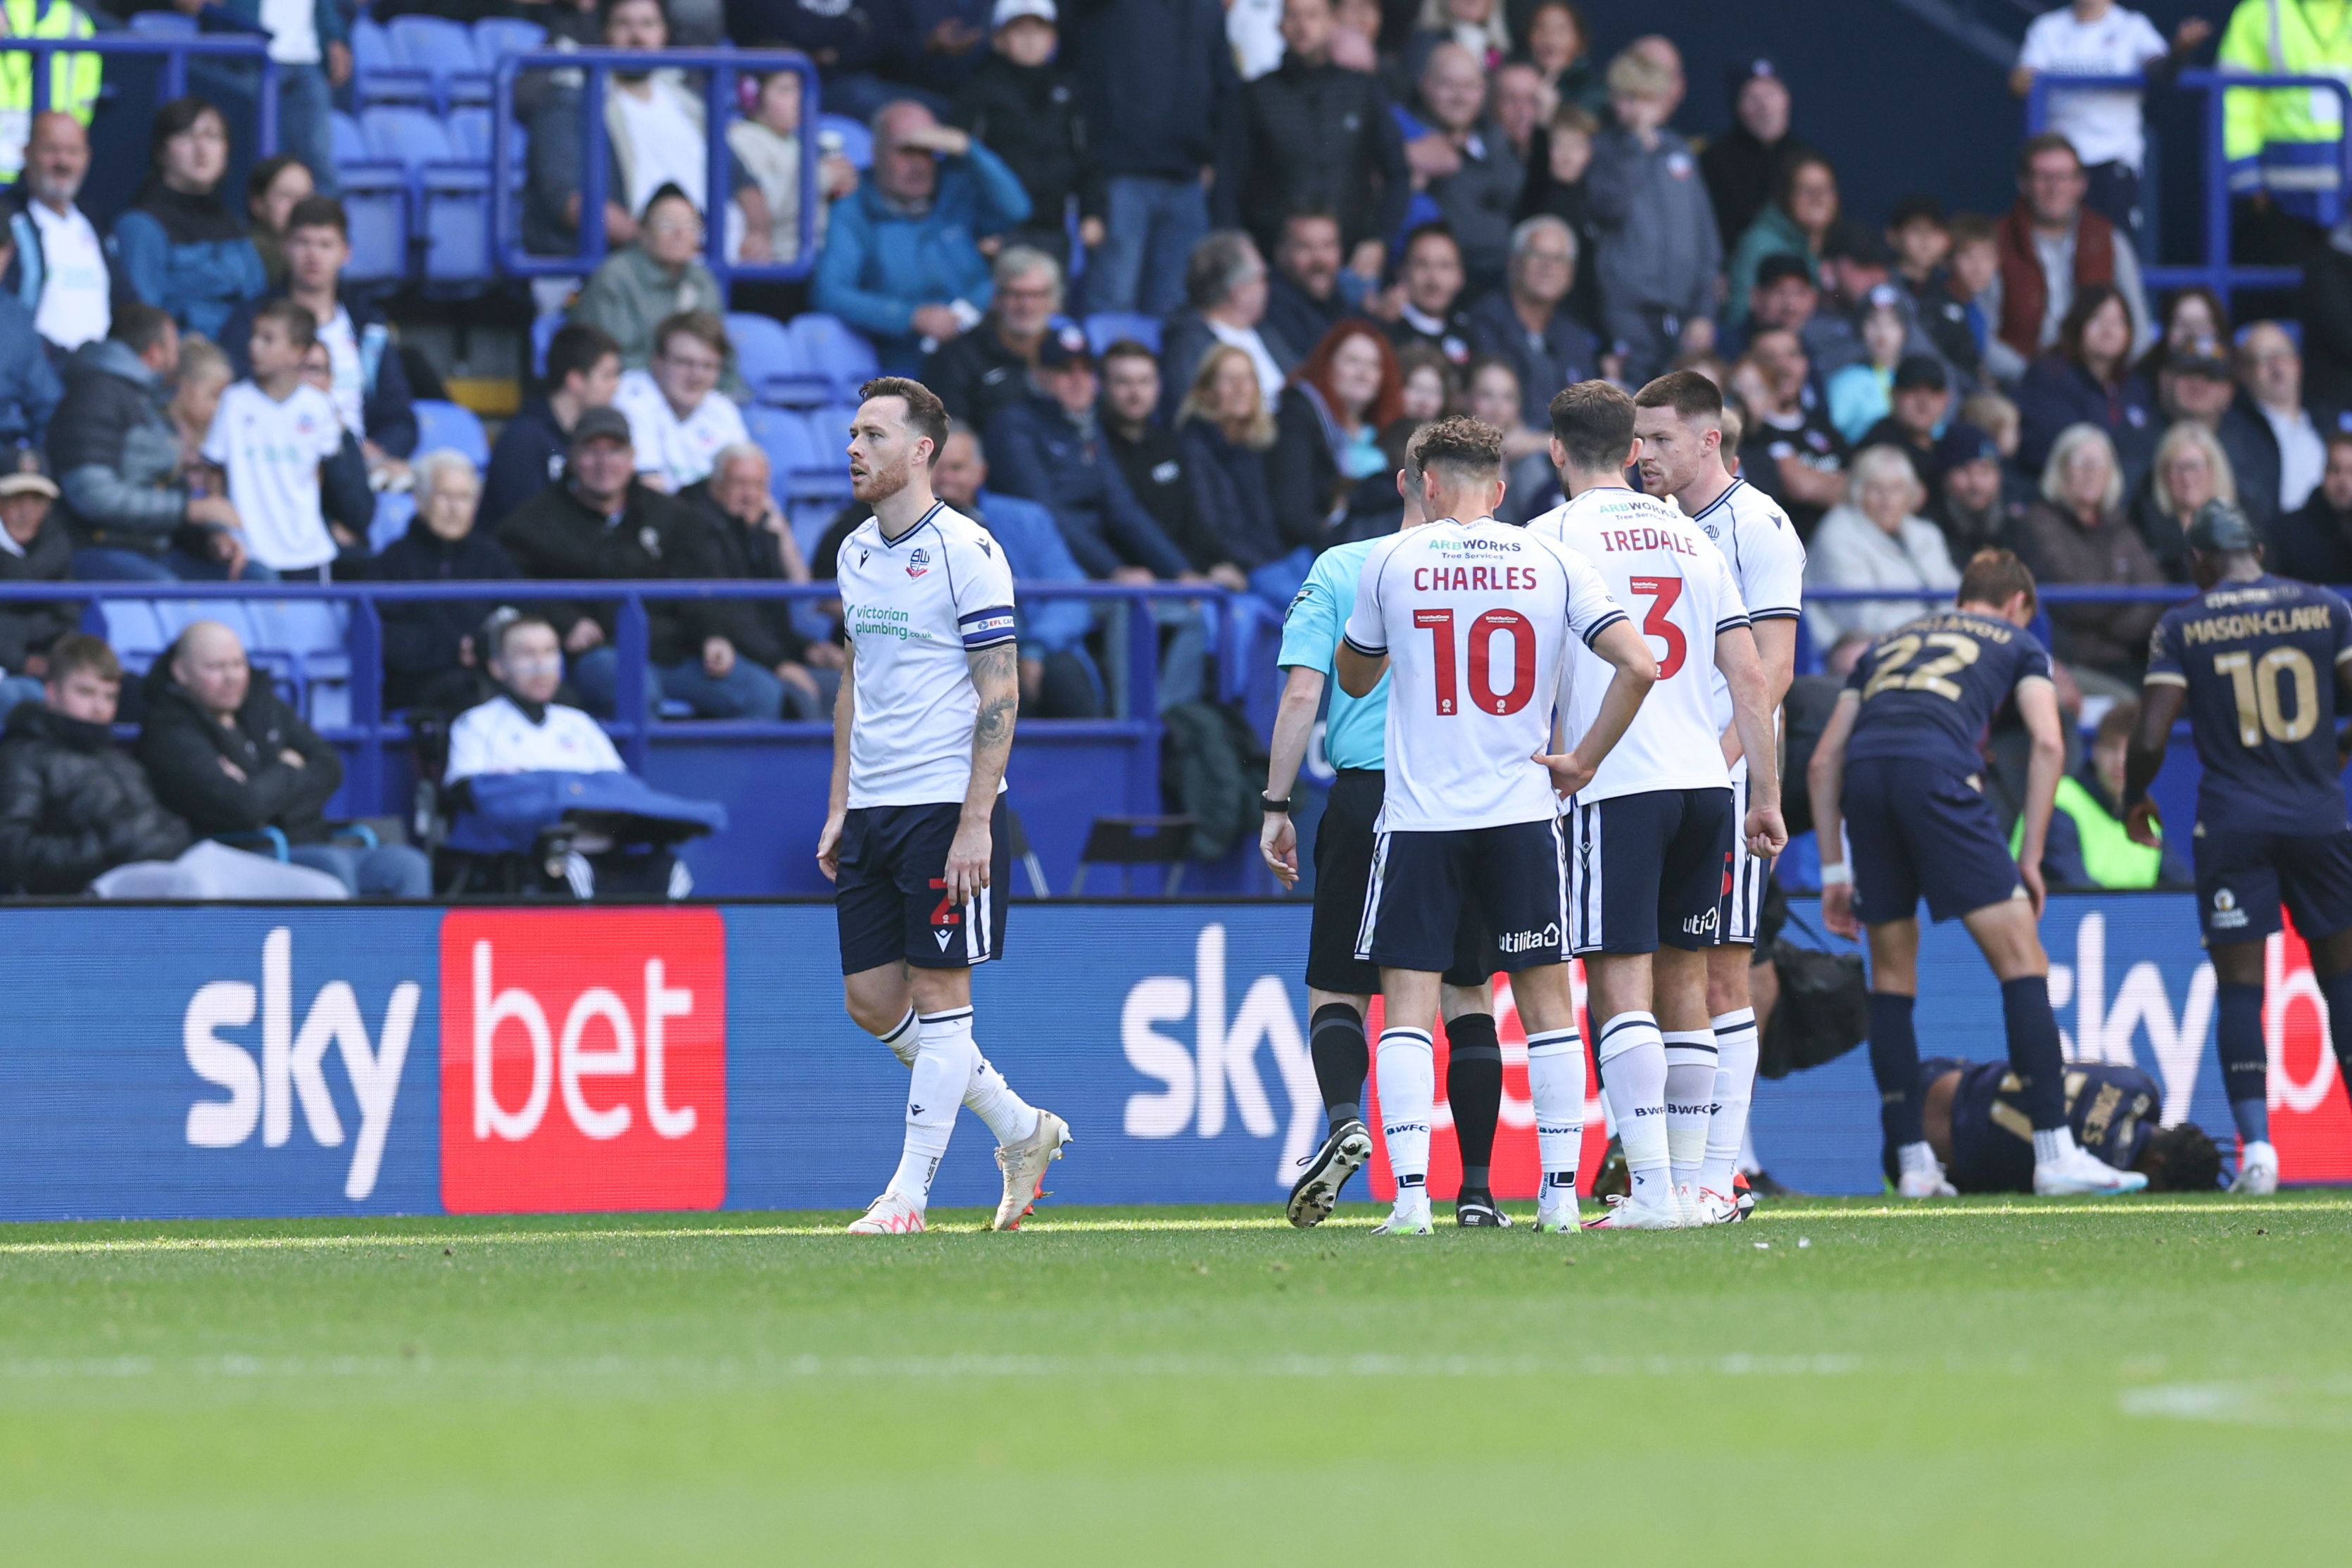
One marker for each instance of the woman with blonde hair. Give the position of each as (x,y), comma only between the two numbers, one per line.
(2190,469)
(1224,434)
(2077,533)
(1876,538)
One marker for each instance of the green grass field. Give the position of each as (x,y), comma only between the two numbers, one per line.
(1835,1383)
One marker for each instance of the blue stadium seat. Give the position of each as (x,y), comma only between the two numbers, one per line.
(444,50)
(1109,327)
(453,425)
(826,345)
(394,512)
(495,37)
(375,200)
(771,364)
(378,74)
(856,141)
(162,25)
(777,436)
(448,196)
(132,628)
(301,641)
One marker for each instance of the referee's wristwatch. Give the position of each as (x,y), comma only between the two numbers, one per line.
(1275,808)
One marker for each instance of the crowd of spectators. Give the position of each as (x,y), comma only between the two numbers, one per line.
(1310,227)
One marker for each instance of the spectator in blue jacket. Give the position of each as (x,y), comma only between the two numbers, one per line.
(1058,678)
(30,389)
(180,245)
(901,262)
(311,47)
(1156,83)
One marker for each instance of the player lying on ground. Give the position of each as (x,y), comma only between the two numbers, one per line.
(915,839)
(1650,833)
(1680,420)
(1340,986)
(2259,662)
(1975,1118)
(1475,618)
(1897,766)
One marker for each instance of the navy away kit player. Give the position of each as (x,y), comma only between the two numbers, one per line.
(1651,836)
(1898,765)
(915,839)
(2259,662)
(1475,620)
(1975,1117)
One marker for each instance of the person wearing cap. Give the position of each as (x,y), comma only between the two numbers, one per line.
(1796,222)
(2086,378)
(1969,505)
(600,522)
(1022,105)
(33,548)
(1919,401)
(2194,384)
(2314,542)
(2258,664)
(1659,250)
(2051,246)
(1749,164)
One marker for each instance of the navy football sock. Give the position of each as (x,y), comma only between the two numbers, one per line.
(1894,1062)
(1474,1088)
(1342,1061)
(2033,1051)
(2246,1061)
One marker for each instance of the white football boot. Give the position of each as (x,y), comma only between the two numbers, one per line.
(889,1215)
(1409,1218)
(1709,1207)
(1556,1215)
(2257,1171)
(1024,1164)
(1626,1214)
(2081,1173)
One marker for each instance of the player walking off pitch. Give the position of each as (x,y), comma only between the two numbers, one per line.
(915,839)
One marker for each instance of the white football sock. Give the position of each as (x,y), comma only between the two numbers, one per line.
(1690,1099)
(1555,1085)
(1917,1159)
(903,1038)
(1735,1086)
(1748,1160)
(943,1069)
(990,1098)
(1633,1082)
(2052,1144)
(1407,1082)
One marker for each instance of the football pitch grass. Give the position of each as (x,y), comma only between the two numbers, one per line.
(2153,1380)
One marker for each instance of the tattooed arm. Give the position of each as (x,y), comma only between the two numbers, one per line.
(996,676)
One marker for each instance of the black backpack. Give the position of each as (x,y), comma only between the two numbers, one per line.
(1212,768)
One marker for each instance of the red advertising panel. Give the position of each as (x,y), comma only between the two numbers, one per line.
(2309,1123)
(583,1059)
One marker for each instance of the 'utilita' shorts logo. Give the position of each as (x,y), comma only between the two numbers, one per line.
(583,1059)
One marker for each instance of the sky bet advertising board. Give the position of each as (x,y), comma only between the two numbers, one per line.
(226,1061)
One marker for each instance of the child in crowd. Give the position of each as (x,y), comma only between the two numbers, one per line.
(767,142)
(271,435)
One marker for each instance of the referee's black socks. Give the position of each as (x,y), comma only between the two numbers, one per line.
(1342,1061)
(1474,1088)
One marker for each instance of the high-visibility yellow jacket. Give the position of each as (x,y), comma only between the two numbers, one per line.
(2288,140)
(73,79)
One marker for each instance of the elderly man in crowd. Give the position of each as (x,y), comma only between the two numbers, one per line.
(978,373)
(2277,449)
(429,658)
(1527,324)
(755,543)
(73,803)
(1465,166)
(59,268)
(902,261)
(1227,284)
(227,754)
(2051,244)
(679,419)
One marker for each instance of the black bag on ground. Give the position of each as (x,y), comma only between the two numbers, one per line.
(1211,767)
(1824,1006)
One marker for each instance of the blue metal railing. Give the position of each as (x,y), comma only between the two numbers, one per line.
(173,81)
(2215,271)
(372,731)
(718,102)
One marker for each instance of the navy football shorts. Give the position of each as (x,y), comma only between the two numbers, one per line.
(1344,842)
(2242,878)
(891,900)
(1918,828)
(1649,869)
(1423,883)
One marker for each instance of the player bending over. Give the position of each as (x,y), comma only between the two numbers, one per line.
(1680,420)
(915,839)
(1650,834)
(1898,764)
(1338,984)
(1475,619)
(1975,1118)
(2259,662)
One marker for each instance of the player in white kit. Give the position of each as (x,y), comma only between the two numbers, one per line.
(1477,619)
(1650,835)
(1679,419)
(915,839)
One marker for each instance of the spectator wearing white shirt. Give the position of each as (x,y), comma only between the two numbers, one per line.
(679,419)
(2107,125)
(2282,448)
(270,435)
(523,729)
(1225,282)
(59,269)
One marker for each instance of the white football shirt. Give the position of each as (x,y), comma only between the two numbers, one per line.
(1677,586)
(2106,125)
(913,608)
(500,737)
(1475,619)
(681,449)
(272,451)
(1766,560)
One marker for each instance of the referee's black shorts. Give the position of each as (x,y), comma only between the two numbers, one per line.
(1343,872)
